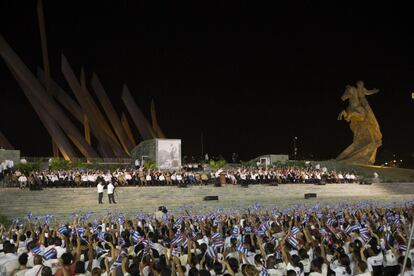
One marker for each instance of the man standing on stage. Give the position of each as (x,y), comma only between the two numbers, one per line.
(111,189)
(100,192)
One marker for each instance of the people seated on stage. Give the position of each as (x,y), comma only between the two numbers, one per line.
(143,177)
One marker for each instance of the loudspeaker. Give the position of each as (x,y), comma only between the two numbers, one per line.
(364,182)
(211,198)
(310,195)
(273,184)
(182,185)
(244,185)
(323,182)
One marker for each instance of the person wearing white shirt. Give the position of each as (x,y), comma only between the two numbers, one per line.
(22,181)
(110,190)
(100,192)
(9,261)
(36,269)
(408,266)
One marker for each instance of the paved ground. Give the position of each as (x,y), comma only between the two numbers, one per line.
(62,201)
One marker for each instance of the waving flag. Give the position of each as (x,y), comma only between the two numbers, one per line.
(63,230)
(236,232)
(293,241)
(264,272)
(50,254)
(136,237)
(242,249)
(211,253)
(176,240)
(36,250)
(295,230)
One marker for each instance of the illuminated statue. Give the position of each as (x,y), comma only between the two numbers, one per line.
(364,125)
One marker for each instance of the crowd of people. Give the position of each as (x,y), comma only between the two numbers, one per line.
(341,240)
(186,176)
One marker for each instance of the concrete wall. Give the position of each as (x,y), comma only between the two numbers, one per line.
(13,155)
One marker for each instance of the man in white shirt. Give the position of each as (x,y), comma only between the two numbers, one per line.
(111,189)
(9,261)
(22,181)
(36,269)
(100,192)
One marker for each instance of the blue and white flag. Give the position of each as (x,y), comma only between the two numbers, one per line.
(50,254)
(211,253)
(236,232)
(242,249)
(293,241)
(136,237)
(36,250)
(63,230)
(264,272)
(295,230)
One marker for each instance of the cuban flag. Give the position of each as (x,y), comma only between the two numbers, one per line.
(364,233)
(264,272)
(295,230)
(330,221)
(176,240)
(216,236)
(348,229)
(211,253)
(36,250)
(247,229)
(136,237)
(218,244)
(242,249)
(293,241)
(356,227)
(63,229)
(402,247)
(80,231)
(236,232)
(50,254)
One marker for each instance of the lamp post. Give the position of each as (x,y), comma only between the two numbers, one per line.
(295,149)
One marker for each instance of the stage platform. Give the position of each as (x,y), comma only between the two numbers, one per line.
(65,201)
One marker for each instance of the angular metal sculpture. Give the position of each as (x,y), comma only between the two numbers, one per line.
(367,135)
(127,128)
(62,97)
(111,113)
(137,116)
(154,120)
(50,124)
(4,143)
(99,126)
(29,80)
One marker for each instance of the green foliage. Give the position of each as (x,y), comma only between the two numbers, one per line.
(150,165)
(57,164)
(28,167)
(217,164)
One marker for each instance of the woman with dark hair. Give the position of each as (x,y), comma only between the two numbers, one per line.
(80,269)
(341,265)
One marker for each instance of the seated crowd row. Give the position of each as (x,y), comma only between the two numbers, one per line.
(142,177)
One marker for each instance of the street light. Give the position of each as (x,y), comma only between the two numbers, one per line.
(295,149)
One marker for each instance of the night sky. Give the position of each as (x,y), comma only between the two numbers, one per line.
(250,77)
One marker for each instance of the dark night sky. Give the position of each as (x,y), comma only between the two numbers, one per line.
(249,76)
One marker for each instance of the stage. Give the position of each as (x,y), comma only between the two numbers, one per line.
(65,201)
